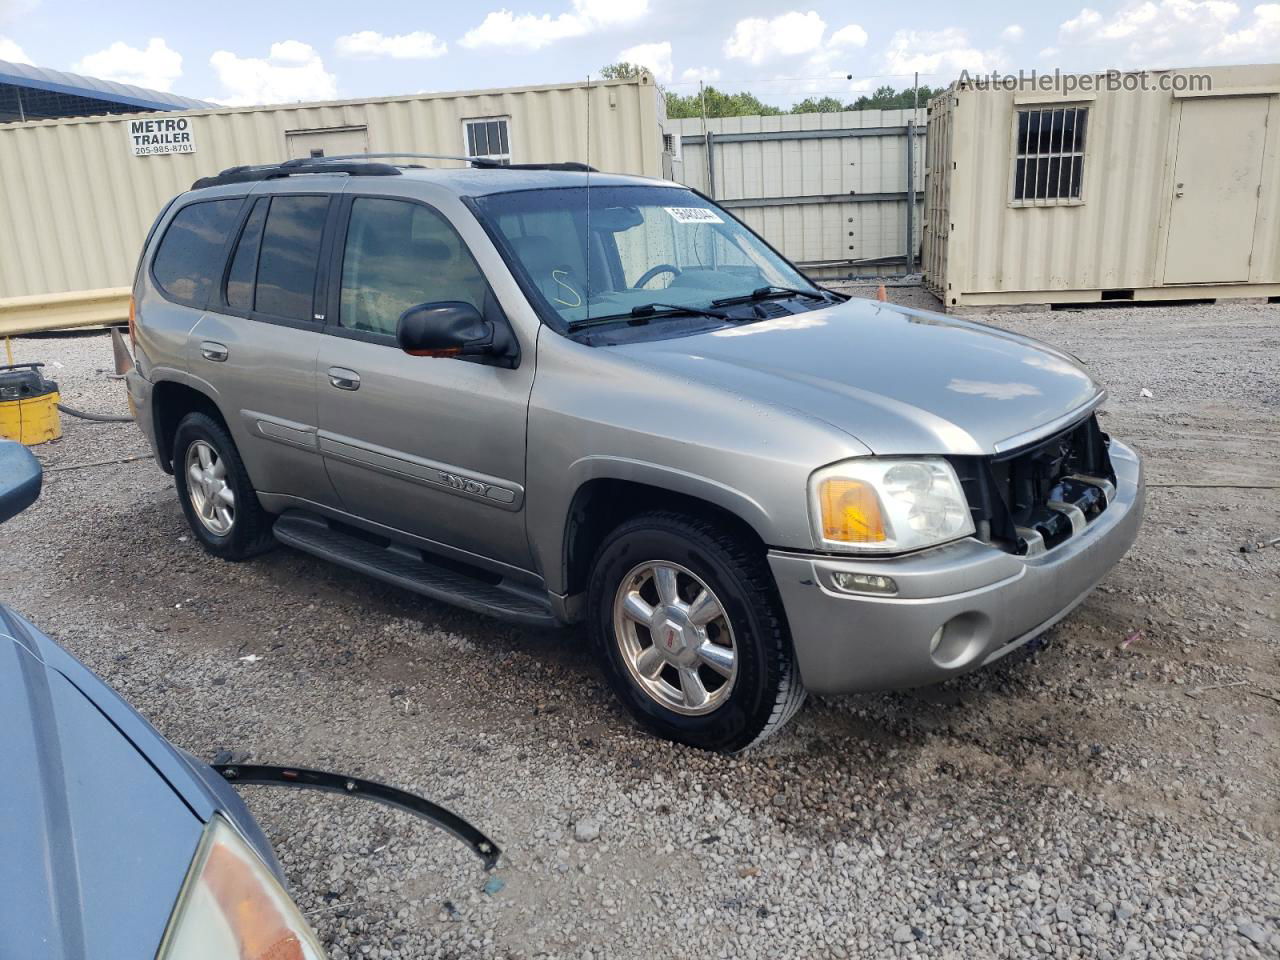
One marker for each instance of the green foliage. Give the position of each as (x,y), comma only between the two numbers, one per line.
(719,104)
(744,104)
(620,71)
(886,98)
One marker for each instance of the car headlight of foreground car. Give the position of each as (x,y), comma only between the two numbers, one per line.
(232,908)
(887,505)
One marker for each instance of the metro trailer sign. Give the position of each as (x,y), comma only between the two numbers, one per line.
(162,135)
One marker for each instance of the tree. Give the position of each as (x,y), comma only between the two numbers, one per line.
(622,70)
(745,104)
(821,105)
(886,98)
(719,104)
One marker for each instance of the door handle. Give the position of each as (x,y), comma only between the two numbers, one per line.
(344,379)
(210,350)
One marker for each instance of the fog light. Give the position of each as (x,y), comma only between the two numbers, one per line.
(960,640)
(864,583)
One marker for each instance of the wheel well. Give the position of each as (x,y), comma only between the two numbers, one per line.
(170,402)
(600,506)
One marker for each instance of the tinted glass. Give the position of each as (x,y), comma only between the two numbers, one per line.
(399,255)
(290,252)
(244,262)
(189,260)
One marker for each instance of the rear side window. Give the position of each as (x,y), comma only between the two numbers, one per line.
(289,255)
(189,261)
(244,263)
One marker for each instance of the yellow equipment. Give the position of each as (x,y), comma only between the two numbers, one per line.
(28,405)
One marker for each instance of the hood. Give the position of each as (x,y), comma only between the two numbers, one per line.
(99,815)
(901,381)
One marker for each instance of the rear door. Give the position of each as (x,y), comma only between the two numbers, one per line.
(258,342)
(434,447)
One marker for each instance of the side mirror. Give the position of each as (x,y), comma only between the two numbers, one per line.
(449,328)
(20,479)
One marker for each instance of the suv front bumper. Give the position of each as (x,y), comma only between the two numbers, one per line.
(984,601)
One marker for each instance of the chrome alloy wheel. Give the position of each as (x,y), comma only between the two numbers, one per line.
(211,496)
(675,638)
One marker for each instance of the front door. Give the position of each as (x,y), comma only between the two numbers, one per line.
(1217,176)
(434,447)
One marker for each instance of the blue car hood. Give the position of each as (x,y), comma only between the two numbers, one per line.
(99,815)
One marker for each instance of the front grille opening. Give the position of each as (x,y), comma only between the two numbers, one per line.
(1036,496)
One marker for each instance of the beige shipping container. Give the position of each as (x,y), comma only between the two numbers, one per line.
(1167,188)
(76,201)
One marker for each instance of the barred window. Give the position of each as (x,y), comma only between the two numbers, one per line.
(1049,154)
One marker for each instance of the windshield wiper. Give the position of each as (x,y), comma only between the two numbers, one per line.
(770,292)
(644,312)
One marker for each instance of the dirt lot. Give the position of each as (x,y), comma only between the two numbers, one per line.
(1089,798)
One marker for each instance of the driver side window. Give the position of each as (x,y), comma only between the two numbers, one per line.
(400,254)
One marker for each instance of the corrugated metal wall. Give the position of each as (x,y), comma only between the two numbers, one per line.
(982,247)
(75,203)
(827,189)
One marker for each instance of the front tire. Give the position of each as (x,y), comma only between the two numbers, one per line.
(214,489)
(688,623)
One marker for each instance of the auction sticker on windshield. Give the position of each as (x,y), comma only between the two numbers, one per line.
(693,215)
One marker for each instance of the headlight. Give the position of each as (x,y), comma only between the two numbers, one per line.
(887,505)
(233,908)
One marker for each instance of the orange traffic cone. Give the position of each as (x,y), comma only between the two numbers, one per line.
(880,294)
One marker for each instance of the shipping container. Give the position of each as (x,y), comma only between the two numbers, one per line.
(1162,185)
(77,195)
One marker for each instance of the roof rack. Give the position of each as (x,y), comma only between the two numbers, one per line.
(365,165)
(274,171)
(486,163)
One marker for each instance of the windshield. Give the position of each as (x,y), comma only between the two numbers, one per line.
(648,245)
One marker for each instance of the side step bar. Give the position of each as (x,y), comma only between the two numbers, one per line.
(412,569)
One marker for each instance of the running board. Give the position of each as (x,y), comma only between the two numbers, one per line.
(412,569)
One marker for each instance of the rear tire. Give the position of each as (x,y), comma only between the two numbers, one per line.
(214,489)
(687,621)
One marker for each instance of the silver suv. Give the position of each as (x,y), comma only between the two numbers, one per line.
(554,395)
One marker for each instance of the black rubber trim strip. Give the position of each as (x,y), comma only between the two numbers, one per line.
(262,775)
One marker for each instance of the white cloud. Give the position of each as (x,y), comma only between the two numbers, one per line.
(848,37)
(418,45)
(1256,42)
(703,74)
(14,9)
(1013,33)
(156,67)
(756,39)
(292,71)
(12,52)
(656,57)
(532,31)
(1161,33)
(937,53)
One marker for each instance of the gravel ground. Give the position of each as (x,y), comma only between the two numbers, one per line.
(1087,798)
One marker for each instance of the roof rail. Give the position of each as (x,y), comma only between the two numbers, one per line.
(364,165)
(274,171)
(486,163)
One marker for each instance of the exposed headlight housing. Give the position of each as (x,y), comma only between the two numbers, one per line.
(232,908)
(887,505)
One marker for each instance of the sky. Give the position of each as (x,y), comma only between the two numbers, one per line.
(241,53)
